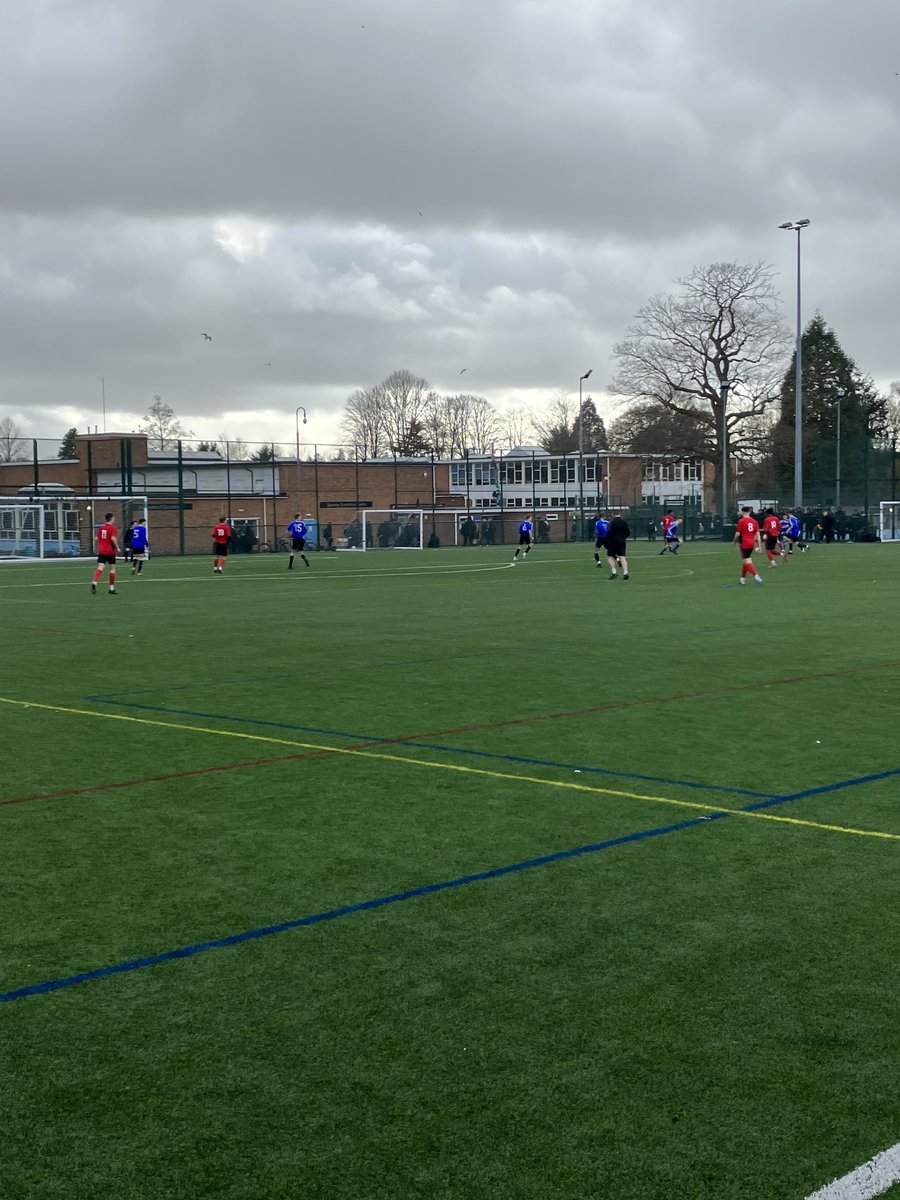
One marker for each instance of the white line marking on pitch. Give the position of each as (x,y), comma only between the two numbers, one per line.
(872,1179)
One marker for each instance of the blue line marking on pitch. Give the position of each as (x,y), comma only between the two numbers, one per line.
(365,737)
(346,910)
(840,785)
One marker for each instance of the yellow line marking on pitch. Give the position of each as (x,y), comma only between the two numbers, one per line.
(482,772)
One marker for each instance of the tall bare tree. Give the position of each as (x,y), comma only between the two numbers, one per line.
(482,426)
(235,449)
(514,427)
(362,423)
(556,426)
(403,402)
(456,423)
(162,427)
(723,326)
(12,444)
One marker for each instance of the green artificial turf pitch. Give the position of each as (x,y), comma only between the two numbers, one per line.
(707,1013)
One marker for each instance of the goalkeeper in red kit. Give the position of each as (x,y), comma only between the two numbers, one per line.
(748,536)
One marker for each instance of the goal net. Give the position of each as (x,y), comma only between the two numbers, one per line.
(889,521)
(21,531)
(62,525)
(384,529)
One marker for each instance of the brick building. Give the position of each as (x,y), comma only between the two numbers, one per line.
(189,489)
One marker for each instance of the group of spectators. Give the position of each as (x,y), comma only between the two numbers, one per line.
(830,525)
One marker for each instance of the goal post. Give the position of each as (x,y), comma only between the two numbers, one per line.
(63,524)
(384,529)
(889,520)
(21,531)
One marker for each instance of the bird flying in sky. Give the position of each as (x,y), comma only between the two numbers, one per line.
(208,337)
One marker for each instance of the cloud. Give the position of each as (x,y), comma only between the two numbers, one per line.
(339,191)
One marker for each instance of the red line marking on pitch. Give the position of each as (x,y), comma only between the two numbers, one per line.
(415,737)
(618,704)
(127,783)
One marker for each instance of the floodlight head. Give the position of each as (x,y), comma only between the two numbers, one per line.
(588,374)
(786,225)
(802,224)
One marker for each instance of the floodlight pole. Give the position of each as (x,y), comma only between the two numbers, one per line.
(724,385)
(839,398)
(798,227)
(585,376)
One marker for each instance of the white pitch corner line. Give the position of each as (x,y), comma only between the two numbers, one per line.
(872,1179)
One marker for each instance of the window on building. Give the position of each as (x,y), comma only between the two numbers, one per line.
(590,470)
(571,470)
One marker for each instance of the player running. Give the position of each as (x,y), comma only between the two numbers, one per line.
(221,542)
(297,531)
(140,546)
(792,532)
(601,528)
(526,539)
(107,548)
(747,534)
(771,532)
(671,537)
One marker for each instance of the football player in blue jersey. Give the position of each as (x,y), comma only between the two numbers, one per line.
(792,532)
(297,532)
(526,538)
(140,546)
(601,527)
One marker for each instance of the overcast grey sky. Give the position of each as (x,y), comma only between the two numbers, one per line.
(336,190)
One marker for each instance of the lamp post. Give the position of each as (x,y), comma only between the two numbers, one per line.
(300,409)
(724,385)
(581,380)
(839,398)
(798,227)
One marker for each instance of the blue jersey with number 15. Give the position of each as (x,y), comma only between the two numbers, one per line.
(297,529)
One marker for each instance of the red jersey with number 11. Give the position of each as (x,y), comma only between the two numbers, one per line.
(105,535)
(748,530)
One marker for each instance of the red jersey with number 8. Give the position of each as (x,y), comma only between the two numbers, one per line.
(748,530)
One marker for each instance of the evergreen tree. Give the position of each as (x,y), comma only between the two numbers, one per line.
(594,437)
(67,447)
(831,379)
(414,442)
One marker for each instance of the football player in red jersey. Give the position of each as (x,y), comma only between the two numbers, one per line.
(221,541)
(107,547)
(748,535)
(771,528)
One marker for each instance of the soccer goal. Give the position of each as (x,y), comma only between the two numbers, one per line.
(385,529)
(21,531)
(889,521)
(62,525)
